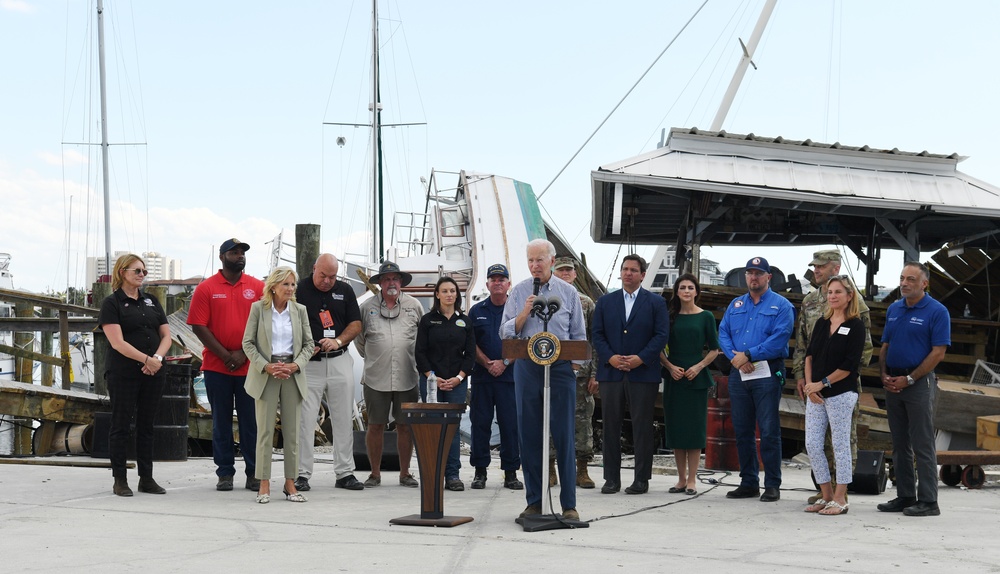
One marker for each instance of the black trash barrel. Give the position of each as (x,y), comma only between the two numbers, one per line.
(170,428)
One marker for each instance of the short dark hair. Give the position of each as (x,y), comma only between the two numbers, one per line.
(635,257)
(923,268)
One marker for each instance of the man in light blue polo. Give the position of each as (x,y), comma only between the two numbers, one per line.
(566,324)
(754,335)
(917,334)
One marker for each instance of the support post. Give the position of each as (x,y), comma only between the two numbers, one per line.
(306,248)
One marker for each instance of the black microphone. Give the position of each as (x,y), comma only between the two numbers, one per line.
(554,303)
(538,306)
(537,283)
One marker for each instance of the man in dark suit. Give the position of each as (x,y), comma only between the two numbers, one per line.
(630,329)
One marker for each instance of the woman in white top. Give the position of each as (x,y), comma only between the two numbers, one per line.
(278,343)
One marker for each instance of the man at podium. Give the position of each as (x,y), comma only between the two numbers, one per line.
(567,324)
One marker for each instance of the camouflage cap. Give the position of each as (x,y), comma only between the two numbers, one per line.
(825,256)
(562,262)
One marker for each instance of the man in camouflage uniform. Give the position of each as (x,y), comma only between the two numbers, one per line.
(586,388)
(826,264)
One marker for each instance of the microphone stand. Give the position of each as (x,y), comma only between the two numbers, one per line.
(547,520)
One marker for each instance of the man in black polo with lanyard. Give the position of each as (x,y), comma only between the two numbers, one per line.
(335,319)
(917,334)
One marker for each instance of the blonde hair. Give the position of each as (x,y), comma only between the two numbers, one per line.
(121,265)
(853,306)
(277,277)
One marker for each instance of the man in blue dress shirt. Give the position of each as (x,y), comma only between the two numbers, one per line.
(754,335)
(566,324)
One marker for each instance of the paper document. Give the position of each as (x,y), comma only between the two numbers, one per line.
(760,370)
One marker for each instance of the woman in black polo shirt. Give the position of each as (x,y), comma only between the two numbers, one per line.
(832,387)
(136,327)
(446,344)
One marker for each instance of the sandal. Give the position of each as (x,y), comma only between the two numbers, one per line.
(817,506)
(263,498)
(690,492)
(841,508)
(295,497)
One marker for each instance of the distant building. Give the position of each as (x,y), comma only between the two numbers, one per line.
(160,267)
(663,271)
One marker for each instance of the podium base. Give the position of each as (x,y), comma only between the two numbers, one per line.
(540,522)
(444,521)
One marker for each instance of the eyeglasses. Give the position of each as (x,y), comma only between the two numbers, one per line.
(139,271)
(388,313)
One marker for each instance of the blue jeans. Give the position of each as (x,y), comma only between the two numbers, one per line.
(224,393)
(487,396)
(755,404)
(454,396)
(529,385)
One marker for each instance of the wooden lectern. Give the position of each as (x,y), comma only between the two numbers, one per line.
(546,350)
(434,426)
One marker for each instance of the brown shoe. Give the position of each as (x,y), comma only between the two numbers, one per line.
(121,487)
(571,514)
(583,479)
(531,510)
(553,476)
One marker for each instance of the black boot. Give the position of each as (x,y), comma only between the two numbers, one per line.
(149,486)
(121,487)
(479,482)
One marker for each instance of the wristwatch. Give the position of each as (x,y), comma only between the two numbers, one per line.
(160,358)
(909,380)
(339,344)
(749,358)
(826,382)
(506,362)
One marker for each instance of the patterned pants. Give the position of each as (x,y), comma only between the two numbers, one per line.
(836,412)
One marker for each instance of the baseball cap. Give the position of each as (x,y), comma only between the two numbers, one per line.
(231,244)
(825,256)
(760,264)
(497,269)
(563,262)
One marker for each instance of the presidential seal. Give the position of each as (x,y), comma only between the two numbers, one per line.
(543,348)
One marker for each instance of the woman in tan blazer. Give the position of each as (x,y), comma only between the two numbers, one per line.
(278,343)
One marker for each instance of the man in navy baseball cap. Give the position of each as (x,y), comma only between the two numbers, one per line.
(760,264)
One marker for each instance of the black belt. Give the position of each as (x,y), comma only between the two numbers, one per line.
(330,354)
(898,372)
(285,358)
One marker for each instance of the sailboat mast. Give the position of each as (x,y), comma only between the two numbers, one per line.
(748,49)
(377,249)
(104,137)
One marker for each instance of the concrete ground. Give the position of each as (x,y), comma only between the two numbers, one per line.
(59,519)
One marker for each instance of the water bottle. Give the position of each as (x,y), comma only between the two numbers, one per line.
(432,388)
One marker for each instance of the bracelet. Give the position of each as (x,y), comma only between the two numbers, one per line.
(145,360)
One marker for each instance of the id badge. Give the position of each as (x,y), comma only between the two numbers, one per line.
(326,319)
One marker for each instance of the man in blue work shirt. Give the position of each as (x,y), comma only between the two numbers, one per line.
(566,324)
(493,385)
(917,334)
(754,335)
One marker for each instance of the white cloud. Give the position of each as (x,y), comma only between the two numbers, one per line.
(16,6)
(70,157)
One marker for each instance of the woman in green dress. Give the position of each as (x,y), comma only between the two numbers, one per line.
(685,390)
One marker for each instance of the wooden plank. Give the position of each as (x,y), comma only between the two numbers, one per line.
(46,324)
(49,403)
(988,432)
(959,404)
(40,357)
(46,301)
(75,461)
(964,457)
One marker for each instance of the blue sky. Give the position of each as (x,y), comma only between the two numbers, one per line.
(230,97)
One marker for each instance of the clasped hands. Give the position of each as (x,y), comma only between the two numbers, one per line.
(450,383)
(810,390)
(495,367)
(678,373)
(625,362)
(281,370)
(741,362)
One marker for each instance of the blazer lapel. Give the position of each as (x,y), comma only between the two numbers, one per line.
(266,325)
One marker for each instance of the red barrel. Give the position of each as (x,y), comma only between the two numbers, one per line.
(720,445)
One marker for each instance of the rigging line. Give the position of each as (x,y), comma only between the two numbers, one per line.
(761,49)
(840,66)
(829,70)
(708,53)
(718,61)
(671,43)
(336,67)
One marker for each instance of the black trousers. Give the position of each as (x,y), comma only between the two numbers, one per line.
(133,399)
(641,399)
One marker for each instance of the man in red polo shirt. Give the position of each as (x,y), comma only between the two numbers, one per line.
(218,316)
